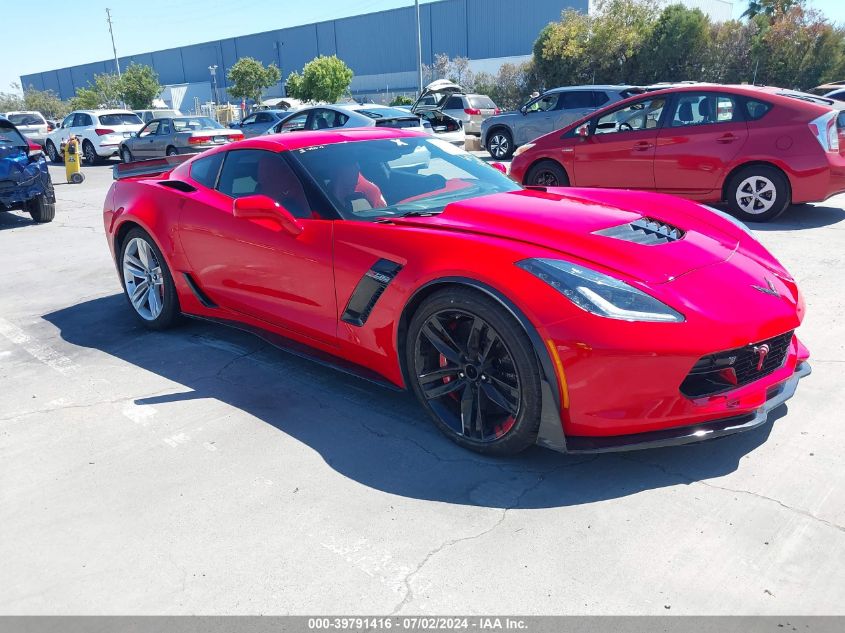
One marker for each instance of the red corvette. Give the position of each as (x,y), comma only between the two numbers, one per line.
(583,320)
(756,149)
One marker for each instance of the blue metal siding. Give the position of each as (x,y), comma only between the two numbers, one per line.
(449,29)
(298,46)
(382,42)
(326,39)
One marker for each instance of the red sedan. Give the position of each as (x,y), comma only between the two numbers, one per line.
(756,149)
(582,320)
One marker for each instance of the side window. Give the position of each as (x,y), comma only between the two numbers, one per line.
(250,172)
(576,100)
(323,119)
(756,109)
(85,120)
(249,119)
(149,130)
(704,109)
(641,115)
(455,103)
(599,99)
(294,123)
(68,122)
(263,117)
(204,170)
(164,127)
(544,103)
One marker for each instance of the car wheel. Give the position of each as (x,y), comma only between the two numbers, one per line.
(547,173)
(89,154)
(147,282)
(500,144)
(125,154)
(472,368)
(52,154)
(172,151)
(758,194)
(41,209)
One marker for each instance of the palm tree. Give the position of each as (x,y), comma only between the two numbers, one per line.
(770,8)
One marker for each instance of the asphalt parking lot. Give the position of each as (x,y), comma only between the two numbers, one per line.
(200,470)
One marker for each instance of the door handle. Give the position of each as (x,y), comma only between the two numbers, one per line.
(642,146)
(727,138)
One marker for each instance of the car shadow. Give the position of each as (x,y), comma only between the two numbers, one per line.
(375,436)
(802,216)
(14,220)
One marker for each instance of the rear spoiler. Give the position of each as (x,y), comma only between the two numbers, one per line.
(151,167)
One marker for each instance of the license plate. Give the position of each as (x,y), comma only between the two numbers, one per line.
(220,139)
(487,112)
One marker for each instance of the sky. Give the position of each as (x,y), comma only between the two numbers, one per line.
(70,33)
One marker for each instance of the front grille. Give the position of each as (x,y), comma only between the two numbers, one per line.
(734,368)
(646,231)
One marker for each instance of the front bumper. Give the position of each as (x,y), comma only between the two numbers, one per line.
(776,396)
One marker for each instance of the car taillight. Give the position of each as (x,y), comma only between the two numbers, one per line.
(197,140)
(33,150)
(50,127)
(472,111)
(497,111)
(236,137)
(826,131)
(103,131)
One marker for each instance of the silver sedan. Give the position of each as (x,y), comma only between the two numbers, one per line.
(176,135)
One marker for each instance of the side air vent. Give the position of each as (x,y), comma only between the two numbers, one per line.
(369,289)
(644,231)
(178,185)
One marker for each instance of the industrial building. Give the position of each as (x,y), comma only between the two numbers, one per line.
(381,48)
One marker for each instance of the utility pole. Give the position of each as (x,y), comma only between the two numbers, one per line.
(213,70)
(114,49)
(419,49)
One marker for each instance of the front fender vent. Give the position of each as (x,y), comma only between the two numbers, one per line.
(646,231)
(369,290)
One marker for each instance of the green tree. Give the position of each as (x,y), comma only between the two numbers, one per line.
(104,92)
(676,48)
(139,86)
(728,59)
(770,8)
(249,78)
(11,101)
(402,100)
(323,79)
(46,102)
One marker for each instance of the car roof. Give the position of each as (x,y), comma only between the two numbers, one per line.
(619,87)
(99,112)
(23,112)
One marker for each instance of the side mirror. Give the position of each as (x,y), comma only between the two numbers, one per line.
(260,207)
(524,110)
(500,167)
(583,131)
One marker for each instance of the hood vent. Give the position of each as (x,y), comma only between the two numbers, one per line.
(646,231)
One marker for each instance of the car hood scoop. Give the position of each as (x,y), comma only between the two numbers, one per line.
(646,236)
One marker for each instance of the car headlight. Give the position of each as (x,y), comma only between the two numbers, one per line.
(523,148)
(598,293)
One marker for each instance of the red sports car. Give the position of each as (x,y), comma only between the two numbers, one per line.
(583,320)
(757,149)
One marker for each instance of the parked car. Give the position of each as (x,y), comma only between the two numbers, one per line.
(449,97)
(31,124)
(758,149)
(100,133)
(259,122)
(442,125)
(583,322)
(347,115)
(838,94)
(824,89)
(156,113)
(554,109)
(177,135)
(25,182)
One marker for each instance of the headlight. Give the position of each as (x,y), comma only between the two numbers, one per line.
(598,293)
(523,148)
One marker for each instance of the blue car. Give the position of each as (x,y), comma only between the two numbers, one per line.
(24,179)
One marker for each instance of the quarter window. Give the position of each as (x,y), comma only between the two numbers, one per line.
(204,170)
(756,109)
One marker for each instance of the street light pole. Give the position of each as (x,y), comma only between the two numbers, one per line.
(213,70)
(419,49)
(113,48)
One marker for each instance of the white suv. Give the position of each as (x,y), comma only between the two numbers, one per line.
(100,133)
(31,124)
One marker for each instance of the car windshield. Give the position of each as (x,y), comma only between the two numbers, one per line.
(188,124)
(377,179)
(10,137)
(26,119)
(120,118)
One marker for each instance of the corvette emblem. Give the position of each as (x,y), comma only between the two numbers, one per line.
(762,351)
(770,290)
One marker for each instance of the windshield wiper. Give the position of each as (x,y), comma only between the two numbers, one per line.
(419,214)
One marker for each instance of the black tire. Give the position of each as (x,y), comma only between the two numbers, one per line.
(500,144)
(170,313)
(89,154)
(125,155)
(172,151)
(52,152)
(41,209)
(462,384)
(547,173)
(758,193)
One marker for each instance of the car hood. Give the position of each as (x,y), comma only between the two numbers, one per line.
(594,225)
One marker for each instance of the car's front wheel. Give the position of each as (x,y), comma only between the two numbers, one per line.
(172,151)
(52,152)
(147,281)
(500,144)
(547,173)
(758,193)
(125,154)
(472,368)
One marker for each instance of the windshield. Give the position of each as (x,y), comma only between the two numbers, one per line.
(26,119)
(10,137)
(120,118)
(189,124)
(386,178)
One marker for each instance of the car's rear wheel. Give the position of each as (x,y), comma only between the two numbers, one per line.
(472,368)
(125,154)
(52,153)
(500,144)
(547,173)
(758,193)
(147,281)
(172,151)
(89,154)
(41,209)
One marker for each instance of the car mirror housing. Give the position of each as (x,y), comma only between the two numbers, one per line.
(583,131)
(501,167)
(524,110)
(260,207)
